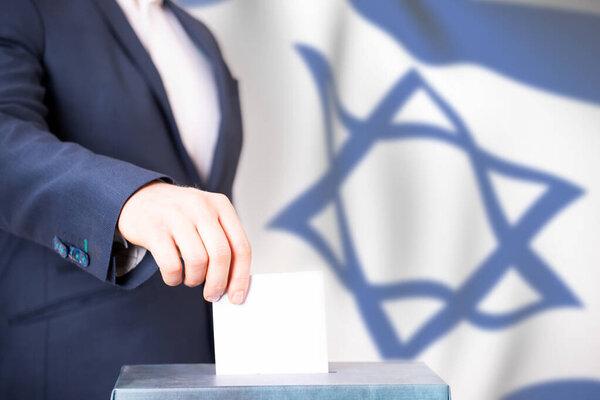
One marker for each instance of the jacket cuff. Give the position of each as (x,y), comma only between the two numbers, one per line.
(95,238)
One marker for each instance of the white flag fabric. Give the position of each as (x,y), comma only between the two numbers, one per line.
(440,162)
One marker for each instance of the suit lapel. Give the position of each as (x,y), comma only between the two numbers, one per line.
(229,141)
(125,35)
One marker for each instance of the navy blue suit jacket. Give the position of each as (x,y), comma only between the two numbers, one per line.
(85,122)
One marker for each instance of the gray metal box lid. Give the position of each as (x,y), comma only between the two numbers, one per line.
(375,380)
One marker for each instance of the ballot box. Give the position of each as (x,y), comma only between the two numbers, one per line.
(375,380)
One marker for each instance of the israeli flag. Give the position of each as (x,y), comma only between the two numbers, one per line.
(440,161)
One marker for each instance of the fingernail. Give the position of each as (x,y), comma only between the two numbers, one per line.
(213,299)
(238,297)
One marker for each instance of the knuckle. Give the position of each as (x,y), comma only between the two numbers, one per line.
(177,210)
(220,198)
(196,261)
(177,215)
(157,235)
(171,267)
(190,282)
(203,207)
(155,227)
(171,280)
(221,254)
(243,250)
(199,195)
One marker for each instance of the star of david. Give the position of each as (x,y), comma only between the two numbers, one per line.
(513,248)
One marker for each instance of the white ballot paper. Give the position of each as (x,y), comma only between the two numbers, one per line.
(280,328)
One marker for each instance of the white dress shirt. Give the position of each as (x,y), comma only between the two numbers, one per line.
(188,78)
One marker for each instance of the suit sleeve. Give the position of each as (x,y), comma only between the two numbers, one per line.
(48,188)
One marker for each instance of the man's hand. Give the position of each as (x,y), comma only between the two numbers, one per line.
(201,227)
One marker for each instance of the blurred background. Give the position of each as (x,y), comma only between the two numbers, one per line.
(440,162)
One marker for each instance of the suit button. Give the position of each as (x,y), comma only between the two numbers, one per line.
(79,256)
(60,247)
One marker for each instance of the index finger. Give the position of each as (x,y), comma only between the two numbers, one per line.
(241,253)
